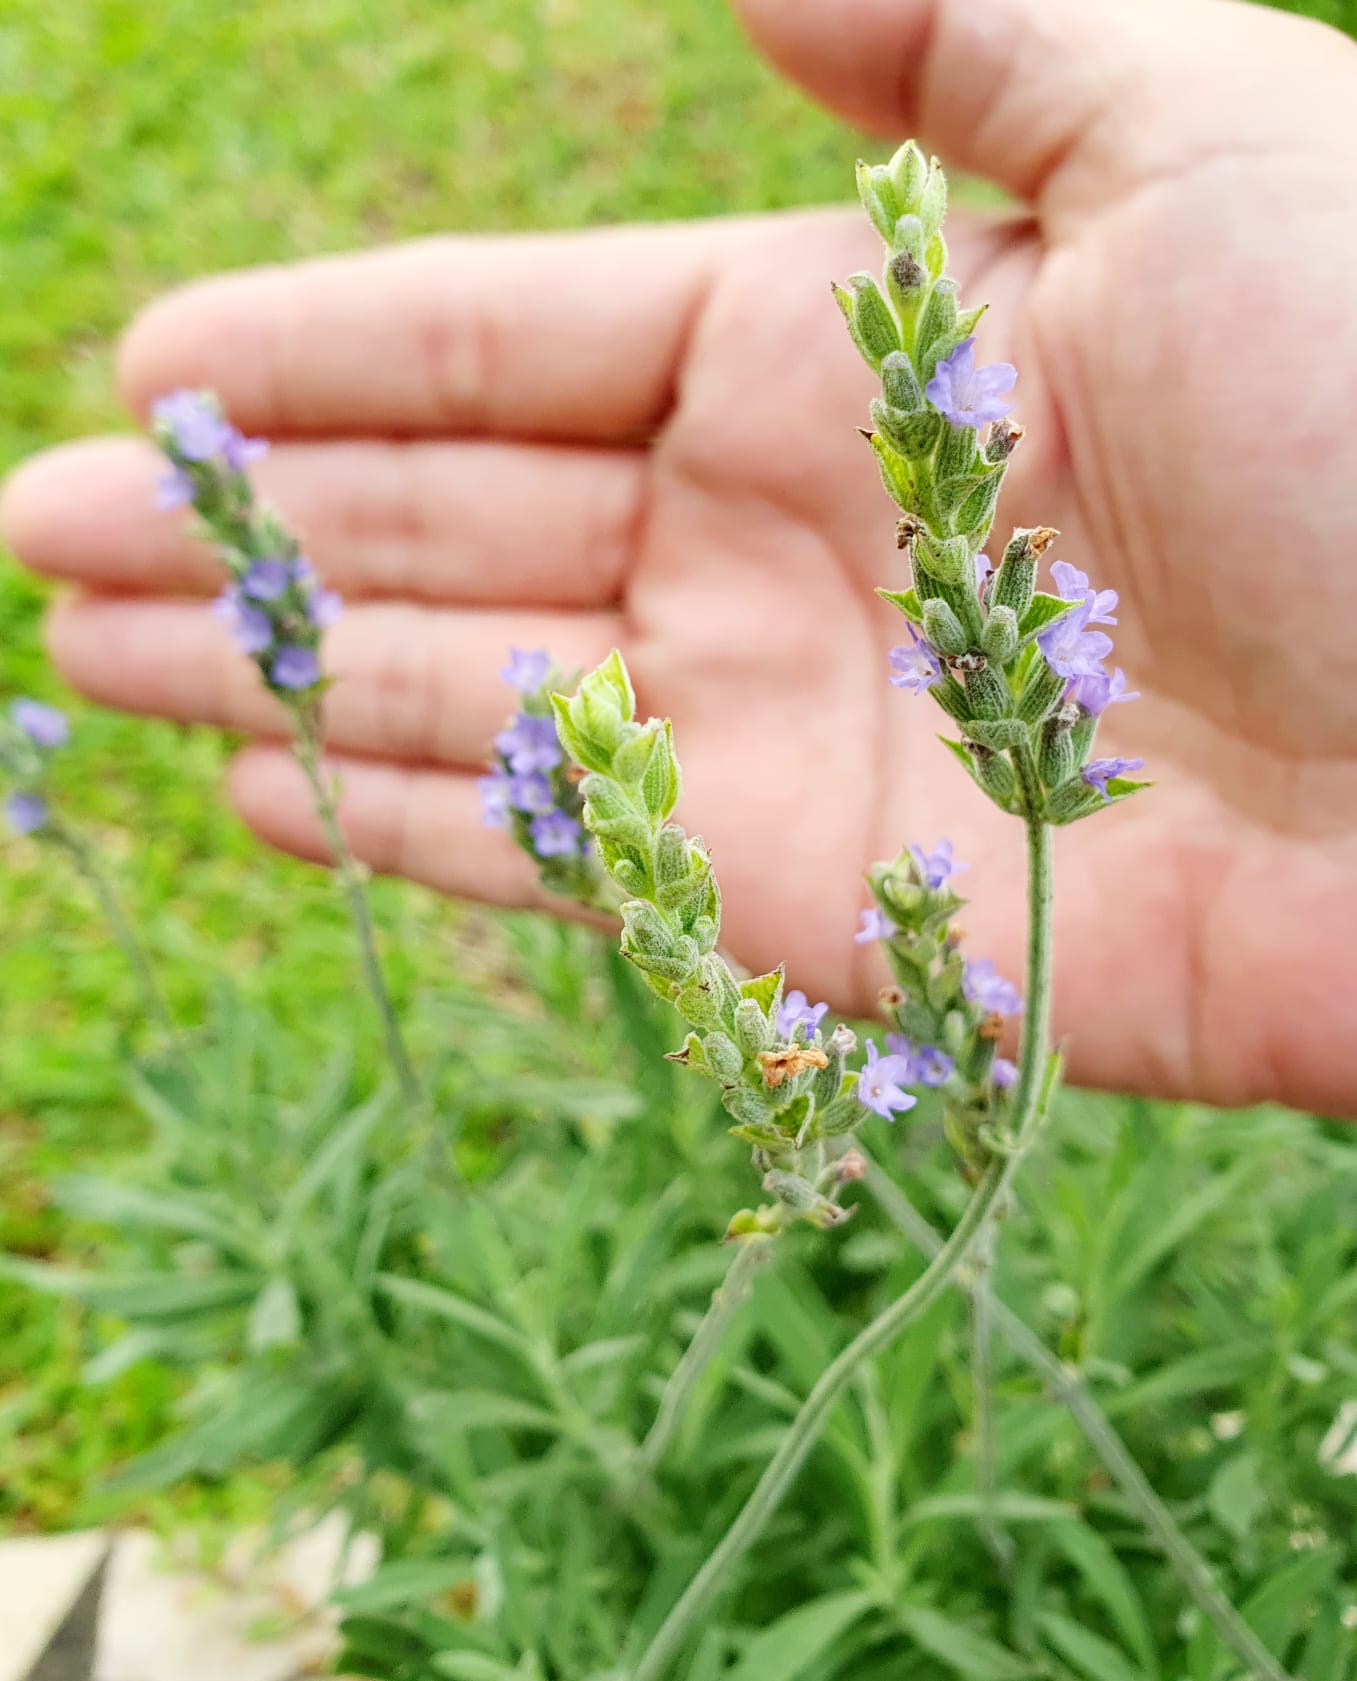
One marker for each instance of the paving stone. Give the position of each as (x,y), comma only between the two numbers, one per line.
(41,1579)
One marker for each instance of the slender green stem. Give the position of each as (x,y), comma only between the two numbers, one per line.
(982,1391)
(725,1303)
(1065,1383)
(306,745)
(87,863)
(803,1432)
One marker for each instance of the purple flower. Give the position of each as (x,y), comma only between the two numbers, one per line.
(1003,1072)
(494,792)
(250,628)
(795,1011)
(294,668)
(530,793)
(239,451)
(991,992)
(1072,585)
(197,427)
(983,567)
(936,866)
(1070,648)
(26,812)
(928,1066)
(173,489)
(876,925)
(1096,691)
(555,834)
(1098,772)
(529,743)
(43,725)
(265,580)
(915,667)
(324,608)
(879,1084)
(527,669)
(969,396)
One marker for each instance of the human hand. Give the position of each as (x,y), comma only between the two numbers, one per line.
(662,456)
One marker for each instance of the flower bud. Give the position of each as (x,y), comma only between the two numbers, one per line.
(722,1058)
(947,559)
(894,470)
(1004,437)
(915,436)
(645,931)
(909,175)
(799,1195)
(906,279)
(933,199)
(1072,800)
(976,514)
(1056,762)
(753,1033)
(1000,641)
(943,628)
(851,1166)
(900,384)
(877,331)
(660,784)
(1041,692)
(937,334)
(956,457)
(878,196)
(986,692)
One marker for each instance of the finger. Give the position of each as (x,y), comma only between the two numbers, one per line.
(398,819)
(1069,103)
(475,522)
(410,683)
(574,336)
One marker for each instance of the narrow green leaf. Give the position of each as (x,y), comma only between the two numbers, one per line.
(1095,1658)
(799,1640)
(1108,1579)
(404,1582)
(973,1655)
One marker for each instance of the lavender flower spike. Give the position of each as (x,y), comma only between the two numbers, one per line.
(936,866)
(1070,648)
(1072,585)
(1096,691)
(1097,773)
(43,725)
(991,992)
(26,812)
(879,1084)
(876,925)
(795,1011)
(969,396)
(527,669)
(915,667)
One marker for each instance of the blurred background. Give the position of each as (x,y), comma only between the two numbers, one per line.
(148,144)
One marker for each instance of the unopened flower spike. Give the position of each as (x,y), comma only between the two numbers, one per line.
(784,1081)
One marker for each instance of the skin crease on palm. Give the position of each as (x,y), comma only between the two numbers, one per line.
(666,459)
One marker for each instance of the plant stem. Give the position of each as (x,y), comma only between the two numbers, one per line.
(306,745)
(726,1301)
(982,1391)
(1186,1562)
(1033,1085)
(153,999)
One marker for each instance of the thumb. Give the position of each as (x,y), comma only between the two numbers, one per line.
(1069,103)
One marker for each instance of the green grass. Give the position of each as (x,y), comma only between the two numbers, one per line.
(228,136)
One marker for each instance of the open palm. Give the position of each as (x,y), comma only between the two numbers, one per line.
(646,438)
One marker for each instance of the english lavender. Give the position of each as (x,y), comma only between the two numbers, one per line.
(276,611)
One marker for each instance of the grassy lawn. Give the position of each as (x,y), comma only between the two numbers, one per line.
(149,144)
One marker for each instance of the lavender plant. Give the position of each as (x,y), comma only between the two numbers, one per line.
(277,611)
(1022,673)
